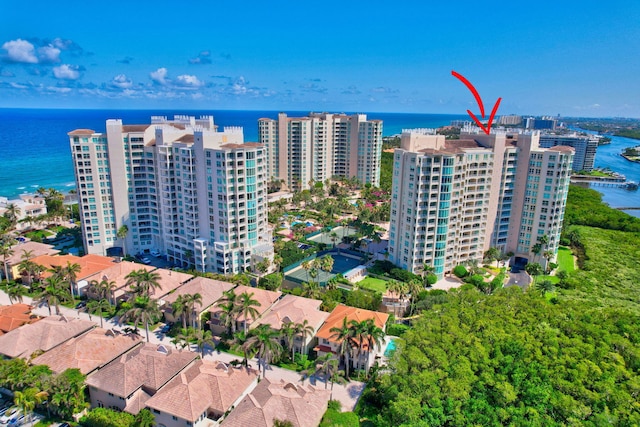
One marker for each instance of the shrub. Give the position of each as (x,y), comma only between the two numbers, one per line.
(397,329)
(460,271)
(334,405)
(103,417)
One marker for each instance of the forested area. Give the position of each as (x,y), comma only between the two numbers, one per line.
(514,358)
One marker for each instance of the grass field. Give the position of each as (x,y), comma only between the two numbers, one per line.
(565,259)
(373,284)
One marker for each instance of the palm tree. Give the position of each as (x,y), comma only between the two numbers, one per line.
(246,306)
(180,308)
(327,365)
(374,336)
(70,274)
(28,399)
(144,310)
(53,293)
(326,263)
(203,338)
(306,266)
(342,335)
(28,267)
(122,235)
(311,290)
(15,292)
(12,213)
(6,251)
(145,418)
(334,238)
(414,289)
(98,307)
(191,300)
(288,331)
(545,286)
(103,289)
(239,343)
(229,306)
(277,261)
(357,332)
(400,290)
(183,339)
(143,282)
(304,330)
(266,342)
(548,255)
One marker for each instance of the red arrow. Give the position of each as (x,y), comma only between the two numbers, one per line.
(475,93)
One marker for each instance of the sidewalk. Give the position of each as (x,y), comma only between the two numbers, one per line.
(347,394)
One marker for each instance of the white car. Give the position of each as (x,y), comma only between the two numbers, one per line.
(146,261)
(155,253)
(9,415)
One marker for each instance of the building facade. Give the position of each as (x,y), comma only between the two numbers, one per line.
(454,199)
(317,147)
(180,187)
(585,147)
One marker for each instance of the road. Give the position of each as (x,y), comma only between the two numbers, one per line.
(521,279)
(347,394)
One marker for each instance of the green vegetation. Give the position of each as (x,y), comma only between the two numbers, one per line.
(386,170)
(335,418)
(565,259)
(373,284)
(629,133)
(104,417)
(566,352)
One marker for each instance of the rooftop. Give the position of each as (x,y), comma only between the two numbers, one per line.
(14,316)
(351,313)
(89,264)
(205,386)
(294,309)
(35,248)
(264,297)
(43,335)
(169,280)
(303,406)
(89,351)
(149,366)
(211,290)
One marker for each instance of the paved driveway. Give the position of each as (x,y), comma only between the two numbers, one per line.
(521,279)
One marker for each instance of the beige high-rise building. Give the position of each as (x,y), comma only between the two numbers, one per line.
(320,146)
(179,187)
(454,199)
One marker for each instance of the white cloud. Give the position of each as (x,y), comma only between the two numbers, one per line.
(58,89)
(20,51)
(160,76)
(49,54)
(66,72)
(121,81)
(186,80)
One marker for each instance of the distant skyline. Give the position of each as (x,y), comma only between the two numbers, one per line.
(542,58)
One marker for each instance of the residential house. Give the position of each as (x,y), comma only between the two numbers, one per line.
(294,309)
(33,249)
(89,265)
(265,299)
(15,315)
(301,405)
(129,381)
(169,280)
(209,289)
(328,344)
(30,207)
(89,351)
(204,391)
(41,336)
(118,273)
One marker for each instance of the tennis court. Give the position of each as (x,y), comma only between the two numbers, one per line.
(340,231)
(341,264)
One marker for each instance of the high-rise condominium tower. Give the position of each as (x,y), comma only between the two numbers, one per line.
(320,146)
(454,199)
(176,186)
(585,147)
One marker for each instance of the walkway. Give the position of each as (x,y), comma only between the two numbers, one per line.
(348,394)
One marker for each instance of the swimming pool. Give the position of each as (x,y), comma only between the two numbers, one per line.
(391,348)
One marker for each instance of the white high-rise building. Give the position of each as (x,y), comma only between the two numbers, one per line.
(454,199)
(179,187)
(320,146)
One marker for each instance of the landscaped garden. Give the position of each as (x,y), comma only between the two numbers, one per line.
(373,284)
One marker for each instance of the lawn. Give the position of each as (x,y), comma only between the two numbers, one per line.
(565,259)
(552,279)
(373,284)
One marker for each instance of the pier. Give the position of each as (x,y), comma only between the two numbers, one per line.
(619,181)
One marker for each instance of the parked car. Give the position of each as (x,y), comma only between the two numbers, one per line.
(81,304)
(155,253)
(146,261)
(65,425)
(18,420)
(166,328)
(9,414)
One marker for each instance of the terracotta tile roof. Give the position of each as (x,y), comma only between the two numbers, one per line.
(89,264)
(43,335)
(35,247)
(211,290)
(264,297)
(304,406)
(169,280)
(205,386)
(117,273)
(294,309)
(134,128)
(149,366)
(89,351)
(81,132)
(14,316)
(561,148)
(359,314)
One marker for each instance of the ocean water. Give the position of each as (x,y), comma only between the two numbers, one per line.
(34,147)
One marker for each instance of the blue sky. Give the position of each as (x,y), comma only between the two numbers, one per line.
(568,58)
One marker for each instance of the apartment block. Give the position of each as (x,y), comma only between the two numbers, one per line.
(180,186)
(320,146)
(454,199)
(585,147)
